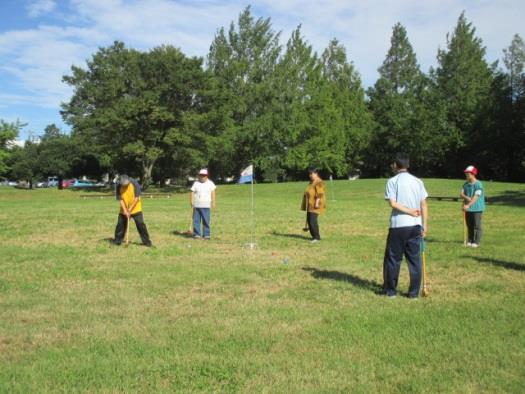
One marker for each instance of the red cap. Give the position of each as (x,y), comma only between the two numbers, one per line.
(471,169)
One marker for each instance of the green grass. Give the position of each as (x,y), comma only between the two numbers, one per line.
(80,315)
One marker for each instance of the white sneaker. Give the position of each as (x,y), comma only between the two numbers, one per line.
(469,244)
(474,245)
(314,241)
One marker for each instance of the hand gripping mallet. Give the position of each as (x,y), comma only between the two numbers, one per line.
(425,291)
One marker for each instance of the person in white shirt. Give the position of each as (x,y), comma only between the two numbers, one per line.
(407,196)
(202,199)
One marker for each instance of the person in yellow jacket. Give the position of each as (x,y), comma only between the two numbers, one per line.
(128,194)
(314,203)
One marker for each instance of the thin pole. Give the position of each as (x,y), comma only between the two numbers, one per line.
(253,219)
(332,187)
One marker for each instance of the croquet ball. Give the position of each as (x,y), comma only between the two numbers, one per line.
(285,260)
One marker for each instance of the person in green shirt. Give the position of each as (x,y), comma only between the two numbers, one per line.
(473,205)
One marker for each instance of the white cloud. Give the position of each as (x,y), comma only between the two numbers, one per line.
(36,59)
(40,7)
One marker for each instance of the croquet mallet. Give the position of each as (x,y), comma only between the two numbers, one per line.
(127,232)
(425,291)
(464,228)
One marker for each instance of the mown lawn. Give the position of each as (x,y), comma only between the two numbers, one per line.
(78,314)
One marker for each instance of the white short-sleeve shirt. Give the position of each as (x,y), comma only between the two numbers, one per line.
(202,193)
(409,191)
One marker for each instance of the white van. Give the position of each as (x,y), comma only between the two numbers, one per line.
(52,181)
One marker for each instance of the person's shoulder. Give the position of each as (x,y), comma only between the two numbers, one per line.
(418,180)
(393,178)
(210,182)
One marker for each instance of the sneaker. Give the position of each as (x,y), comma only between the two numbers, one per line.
(313,241)
(197,236)
(391,296)
(148,245)
(469,244)
(473,245)
(207,238)
(113,242)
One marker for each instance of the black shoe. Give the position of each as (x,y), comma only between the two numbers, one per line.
(116,243)
(148,245)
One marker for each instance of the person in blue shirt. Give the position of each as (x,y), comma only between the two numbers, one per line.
(473,205)
(407,196)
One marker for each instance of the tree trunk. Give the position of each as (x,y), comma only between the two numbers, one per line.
(147,169)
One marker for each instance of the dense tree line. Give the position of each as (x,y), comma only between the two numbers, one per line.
(160,114)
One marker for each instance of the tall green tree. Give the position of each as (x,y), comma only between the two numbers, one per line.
(405,113)
(8,133)
(244,60)
(134,106)
(56,154)
(464,79)
(348,96)
(296,76)
(514,61)
(503,145)
(24,164)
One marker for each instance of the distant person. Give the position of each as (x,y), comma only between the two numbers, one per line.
(202,199)
(473,205)
(406,195)
(128,194)
(314,203)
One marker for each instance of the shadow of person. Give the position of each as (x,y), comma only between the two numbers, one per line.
(511,265)
(366,284)
(286,235)
(183,234)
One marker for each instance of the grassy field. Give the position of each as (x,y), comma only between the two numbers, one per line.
(80,315)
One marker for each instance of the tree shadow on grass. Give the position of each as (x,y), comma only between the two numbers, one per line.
(511,265)
(366,284)
(509,197)
(285,235)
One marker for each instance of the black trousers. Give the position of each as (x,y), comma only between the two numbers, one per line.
(120,230)
(402,241)
(474,227)
(313,224)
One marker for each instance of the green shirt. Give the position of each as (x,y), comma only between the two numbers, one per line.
(471,189)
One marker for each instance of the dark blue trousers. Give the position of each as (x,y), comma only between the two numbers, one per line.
(402,241)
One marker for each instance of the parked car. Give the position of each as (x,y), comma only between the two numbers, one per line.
(52,181)
(79,183)
(67,182)
(41,184)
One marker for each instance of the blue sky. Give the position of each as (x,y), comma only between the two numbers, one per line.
(41,39)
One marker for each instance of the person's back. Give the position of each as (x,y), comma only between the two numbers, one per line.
(409,191)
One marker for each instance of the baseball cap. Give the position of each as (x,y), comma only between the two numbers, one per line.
(471,169)
(124,180)
(203,171)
